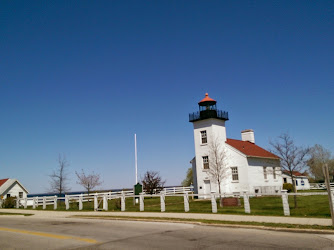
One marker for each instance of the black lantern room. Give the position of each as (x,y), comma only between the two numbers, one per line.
(208,109)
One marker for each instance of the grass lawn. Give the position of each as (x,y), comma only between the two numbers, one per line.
(312,191)
(308,206)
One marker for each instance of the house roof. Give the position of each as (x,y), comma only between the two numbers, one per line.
(250,149)
(3,181)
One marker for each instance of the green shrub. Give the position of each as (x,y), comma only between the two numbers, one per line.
(9,202)
(288,186)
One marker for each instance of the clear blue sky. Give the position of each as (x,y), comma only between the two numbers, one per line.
(81,77)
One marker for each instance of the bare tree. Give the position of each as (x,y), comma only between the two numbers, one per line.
(218,162)
(59,177)
(89,181)
(319,157)
(152,181)
(293,158)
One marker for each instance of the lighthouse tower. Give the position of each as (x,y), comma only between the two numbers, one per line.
(209,124)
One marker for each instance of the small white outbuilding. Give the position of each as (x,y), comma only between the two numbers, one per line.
(12,188)
(302,182)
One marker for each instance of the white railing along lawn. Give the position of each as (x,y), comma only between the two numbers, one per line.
(101,199)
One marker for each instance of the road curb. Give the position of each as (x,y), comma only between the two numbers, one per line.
(174,220)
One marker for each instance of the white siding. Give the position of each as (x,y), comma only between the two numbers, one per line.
(306,185)
(14,190)
(256,176)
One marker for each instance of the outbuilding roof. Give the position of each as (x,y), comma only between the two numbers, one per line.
(250,149)
(295,173)
(3,181)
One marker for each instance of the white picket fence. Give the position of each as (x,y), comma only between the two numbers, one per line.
(177,190)
(49,200)
(320,185)
(101,199)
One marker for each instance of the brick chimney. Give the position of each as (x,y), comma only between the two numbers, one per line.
(248,135)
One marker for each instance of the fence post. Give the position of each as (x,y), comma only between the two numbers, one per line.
(37,201)
(25,202)
(213,203)
(80,202)
(96,205)
(141,202)
(55,200)
(105,203)
(34,203)
(67,202)
(246,203)
(162,202)
(332,192)
(17,202)
(186,202)
(174,190)
(44,202)
(285,200)
(122,202)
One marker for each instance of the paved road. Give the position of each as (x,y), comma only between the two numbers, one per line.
(18,232)
(222,217)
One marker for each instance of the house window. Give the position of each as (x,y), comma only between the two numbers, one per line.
(204,137)
(296,182)
(235,176)
(205,162)
(8,195)
(20,194)
(274,173)
(285,181)
(265,173)
(302,182)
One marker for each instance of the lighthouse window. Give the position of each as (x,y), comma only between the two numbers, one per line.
(265,173)
(205,162)
(204,137)
(235,175)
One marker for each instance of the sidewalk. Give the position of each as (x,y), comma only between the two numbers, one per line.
(220,217)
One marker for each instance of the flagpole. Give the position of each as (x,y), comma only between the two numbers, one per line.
(136,159)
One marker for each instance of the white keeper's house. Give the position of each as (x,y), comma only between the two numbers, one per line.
(11,188)
(247,167)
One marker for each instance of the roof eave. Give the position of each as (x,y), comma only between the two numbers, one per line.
(253,156)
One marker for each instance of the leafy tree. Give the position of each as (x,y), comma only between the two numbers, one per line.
(59,177)
(293,158)
(318,157)
(189,178)
(89,181)
(152,181)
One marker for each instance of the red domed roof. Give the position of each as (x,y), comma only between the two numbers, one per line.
(207,99)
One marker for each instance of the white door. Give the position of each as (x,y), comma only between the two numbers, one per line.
(207,187)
